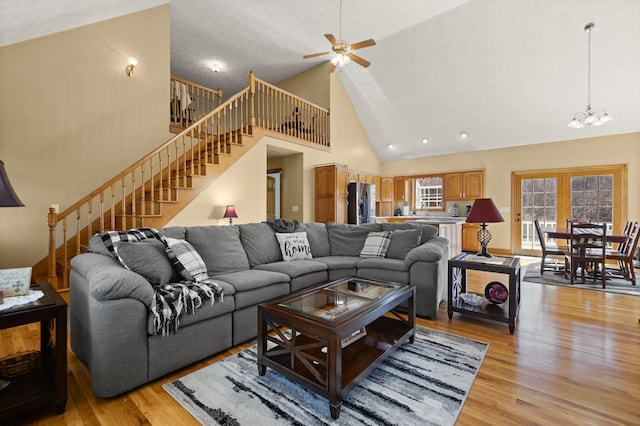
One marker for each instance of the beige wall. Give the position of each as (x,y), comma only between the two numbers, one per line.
(71,119)
(499,163)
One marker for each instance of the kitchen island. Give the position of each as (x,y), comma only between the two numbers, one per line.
(449,227)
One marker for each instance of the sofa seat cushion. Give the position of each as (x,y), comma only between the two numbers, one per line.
(220,248)
(204,312)
(254,286)
(383,263)
(260,244)
(294,269)
(339,262)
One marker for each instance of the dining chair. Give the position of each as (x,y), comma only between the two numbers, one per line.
(550,251)
(587,251)
(623,255)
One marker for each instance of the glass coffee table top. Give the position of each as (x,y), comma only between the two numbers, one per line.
(339,299)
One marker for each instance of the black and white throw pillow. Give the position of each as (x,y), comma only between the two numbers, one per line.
(376,244)
(186,260)
(294,246)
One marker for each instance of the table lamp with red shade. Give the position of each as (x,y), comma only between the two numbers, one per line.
(484,211)
(230,213)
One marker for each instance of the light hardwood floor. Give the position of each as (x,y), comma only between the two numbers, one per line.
(574,360)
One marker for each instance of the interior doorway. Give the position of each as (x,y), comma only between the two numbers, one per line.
(274,193)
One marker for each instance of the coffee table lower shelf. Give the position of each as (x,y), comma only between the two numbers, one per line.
(364,354)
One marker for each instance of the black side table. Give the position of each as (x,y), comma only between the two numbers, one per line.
(47,383)
(506,312)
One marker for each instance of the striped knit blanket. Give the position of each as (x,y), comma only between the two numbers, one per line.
(170,300)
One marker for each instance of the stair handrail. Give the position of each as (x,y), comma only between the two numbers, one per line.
(209,136)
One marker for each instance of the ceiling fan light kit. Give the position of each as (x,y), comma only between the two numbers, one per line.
(343,51)
(589,117)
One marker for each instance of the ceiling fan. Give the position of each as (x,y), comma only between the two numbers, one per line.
(343,50)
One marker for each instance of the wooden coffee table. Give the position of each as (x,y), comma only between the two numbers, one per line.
(330,337)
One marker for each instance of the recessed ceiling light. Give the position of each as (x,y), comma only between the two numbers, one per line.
(464,135)
(391,146)
(425,140)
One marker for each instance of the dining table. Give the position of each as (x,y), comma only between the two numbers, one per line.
(565,234)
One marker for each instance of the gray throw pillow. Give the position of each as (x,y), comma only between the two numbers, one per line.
(402,242)
(147,258)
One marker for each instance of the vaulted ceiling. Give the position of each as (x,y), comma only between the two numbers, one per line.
(506,72)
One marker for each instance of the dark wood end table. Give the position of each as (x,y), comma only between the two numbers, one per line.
(337,333)
(457,284)
(47,383)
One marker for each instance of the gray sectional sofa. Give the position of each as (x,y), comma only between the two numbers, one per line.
(112,328)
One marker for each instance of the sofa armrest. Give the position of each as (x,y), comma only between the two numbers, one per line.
(108,280)
(431,251)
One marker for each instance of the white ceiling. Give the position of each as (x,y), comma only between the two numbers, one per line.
(507,72)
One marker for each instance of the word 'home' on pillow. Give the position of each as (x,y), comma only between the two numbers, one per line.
(294,246)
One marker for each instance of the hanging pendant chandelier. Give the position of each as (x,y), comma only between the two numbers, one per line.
(590,117)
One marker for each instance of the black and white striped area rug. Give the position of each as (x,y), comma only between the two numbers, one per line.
(424,383)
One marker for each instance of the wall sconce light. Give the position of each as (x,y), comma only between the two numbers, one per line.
(230,213)
(133,62)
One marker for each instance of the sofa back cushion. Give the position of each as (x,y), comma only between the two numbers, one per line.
(428,231)
(318,237)
(348,240)
(178,232)
(220,248)
(260,243)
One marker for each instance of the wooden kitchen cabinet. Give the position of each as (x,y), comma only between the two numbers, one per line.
(331,193)
(470,237)
(464,185)
(399,193)
(386,189)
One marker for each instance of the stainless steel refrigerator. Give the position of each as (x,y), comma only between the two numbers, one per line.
(362,203)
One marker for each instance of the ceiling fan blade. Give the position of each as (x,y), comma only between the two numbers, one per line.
(332,67)
(358,60)
(313,55)
(364,43)
(331,39)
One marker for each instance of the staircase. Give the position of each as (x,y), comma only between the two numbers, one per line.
(154,189)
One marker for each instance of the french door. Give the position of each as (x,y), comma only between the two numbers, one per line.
(596,194)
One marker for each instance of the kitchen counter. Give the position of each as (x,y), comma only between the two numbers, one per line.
(428,219)
(449,227)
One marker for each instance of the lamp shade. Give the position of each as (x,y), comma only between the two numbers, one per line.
(230,212)
(8,197)
(484,211)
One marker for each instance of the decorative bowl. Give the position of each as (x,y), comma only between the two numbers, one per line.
(496,292)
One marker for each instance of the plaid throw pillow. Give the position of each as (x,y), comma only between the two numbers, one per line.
(376,244)
(186,260)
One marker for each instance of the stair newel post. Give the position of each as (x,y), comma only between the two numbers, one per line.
(52,221)
(252,90)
